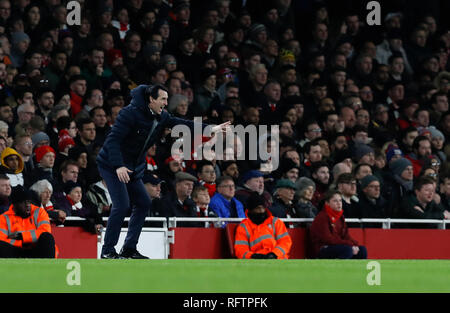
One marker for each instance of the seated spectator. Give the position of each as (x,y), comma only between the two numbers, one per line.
(420,204)
(398,184)
(305,189)
(346,185)
(178,202)
(65,143)
(25,237)
(201,198)
(71,201)
(320,174)
(68,171)
(329,232)
(5,192)
(252,181)
(40,139)
(43,190)
(444,191)
(152,184)
(230,168)
(12,165)
(207,176)
(421,151)
(45,158)
(283,205)
(371,203)
(223,203)
(261,235)
(99,196)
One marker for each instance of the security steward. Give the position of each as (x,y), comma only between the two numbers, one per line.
(261,235)
(25,230)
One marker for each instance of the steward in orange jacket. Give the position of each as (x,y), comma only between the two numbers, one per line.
(261,235)
(25,230)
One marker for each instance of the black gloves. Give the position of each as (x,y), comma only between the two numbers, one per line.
(270,255)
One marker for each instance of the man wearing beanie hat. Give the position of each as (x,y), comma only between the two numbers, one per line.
(253,181)
(305,189)
(45,158)
(393,154)
(371,203)
(398,184)
(364,154)
(19,230)
(283,202)
(40,139)
(261,235)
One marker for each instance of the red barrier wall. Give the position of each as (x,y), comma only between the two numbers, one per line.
(211,243)
(75,243)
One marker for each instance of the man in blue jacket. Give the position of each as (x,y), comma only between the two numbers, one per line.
(121,163)
(223,202)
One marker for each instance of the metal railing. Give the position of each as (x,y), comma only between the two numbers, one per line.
(386,223)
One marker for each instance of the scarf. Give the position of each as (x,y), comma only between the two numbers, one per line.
(75,103)
(211,188)
(151,164)
(48,206)
(75,206)
(407,184)
(333,214)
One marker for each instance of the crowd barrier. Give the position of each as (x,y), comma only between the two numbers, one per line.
(216,242)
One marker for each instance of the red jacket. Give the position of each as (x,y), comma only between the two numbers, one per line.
(324,233)
(270,236)
(31,227)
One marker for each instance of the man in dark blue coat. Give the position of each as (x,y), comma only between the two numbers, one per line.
(121,163)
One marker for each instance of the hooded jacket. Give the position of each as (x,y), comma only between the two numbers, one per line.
(16,176)
(124,145)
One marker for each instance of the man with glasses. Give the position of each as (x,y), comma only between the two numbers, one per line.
(5,11)
(371,203)
(223,202)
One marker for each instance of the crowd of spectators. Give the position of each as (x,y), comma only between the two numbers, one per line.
(361,109)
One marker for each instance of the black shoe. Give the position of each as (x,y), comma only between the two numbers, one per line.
(111,255)
(131,254)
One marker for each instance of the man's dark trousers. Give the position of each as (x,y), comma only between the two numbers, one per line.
(121,194)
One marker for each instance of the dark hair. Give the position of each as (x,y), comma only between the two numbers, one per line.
(153,91)
(309,144)
(63,122)
(66,164)
(416,142)
(315,166)
(344,178)
(83,121)
(202,164)
(422,181)
(4,177)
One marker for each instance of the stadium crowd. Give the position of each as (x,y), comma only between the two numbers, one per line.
(361,109)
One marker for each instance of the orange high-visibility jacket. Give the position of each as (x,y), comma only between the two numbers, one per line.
(31,227)
(269,236)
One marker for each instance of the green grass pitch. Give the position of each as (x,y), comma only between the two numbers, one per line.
(222,276)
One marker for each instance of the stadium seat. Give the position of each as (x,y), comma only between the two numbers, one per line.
(230,231)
